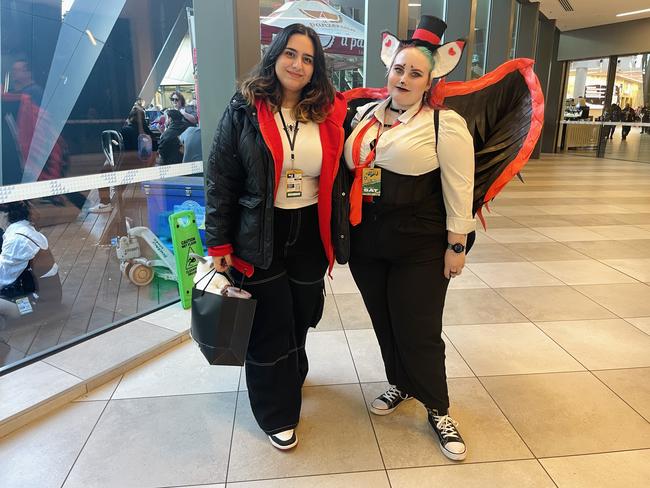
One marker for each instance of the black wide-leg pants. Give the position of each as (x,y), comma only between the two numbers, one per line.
(290,299)
(397,261)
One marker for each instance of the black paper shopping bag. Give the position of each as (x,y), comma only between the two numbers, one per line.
(221,325)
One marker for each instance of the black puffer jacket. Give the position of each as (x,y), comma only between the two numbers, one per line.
(241,181)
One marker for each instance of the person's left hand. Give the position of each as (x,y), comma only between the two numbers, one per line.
(454,264)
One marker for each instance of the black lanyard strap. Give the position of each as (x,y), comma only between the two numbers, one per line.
(292,140)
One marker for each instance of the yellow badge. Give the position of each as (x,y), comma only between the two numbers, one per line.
(371,182)
(294,183)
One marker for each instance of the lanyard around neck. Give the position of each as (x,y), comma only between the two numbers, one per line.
(292,140)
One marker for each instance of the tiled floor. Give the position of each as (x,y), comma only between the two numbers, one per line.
(548,359)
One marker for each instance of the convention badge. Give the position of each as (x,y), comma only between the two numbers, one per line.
(371,182)
(24,305)
(294,183)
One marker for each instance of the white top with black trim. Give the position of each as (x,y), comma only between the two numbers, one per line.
(308,158)
(410,149)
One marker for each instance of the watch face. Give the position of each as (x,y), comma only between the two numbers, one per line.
(458,247)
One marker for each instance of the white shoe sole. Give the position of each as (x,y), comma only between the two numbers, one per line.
(387,411)
(283,447)
(452,455)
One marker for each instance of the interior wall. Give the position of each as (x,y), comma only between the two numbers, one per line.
(605,40)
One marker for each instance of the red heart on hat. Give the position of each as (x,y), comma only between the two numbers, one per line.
(452,51)
(388,42)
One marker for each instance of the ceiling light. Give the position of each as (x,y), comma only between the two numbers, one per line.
(415,4)
(634,13)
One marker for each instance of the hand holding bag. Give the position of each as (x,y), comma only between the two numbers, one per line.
(221,325)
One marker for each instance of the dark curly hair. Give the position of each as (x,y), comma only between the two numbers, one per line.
(317,97)
(16,211)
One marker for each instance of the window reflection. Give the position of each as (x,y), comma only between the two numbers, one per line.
(480,38)
(98,99)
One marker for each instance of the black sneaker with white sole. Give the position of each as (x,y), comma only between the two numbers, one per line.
(449,439)
(388,401)
(284,440)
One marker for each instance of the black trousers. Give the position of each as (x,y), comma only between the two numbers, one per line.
(397,261)
(290,299)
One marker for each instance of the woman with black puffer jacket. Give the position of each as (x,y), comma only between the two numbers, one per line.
(277,212)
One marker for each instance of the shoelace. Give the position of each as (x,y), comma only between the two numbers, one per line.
(393,393)
(447,426)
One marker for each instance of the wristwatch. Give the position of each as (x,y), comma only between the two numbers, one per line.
(458,248)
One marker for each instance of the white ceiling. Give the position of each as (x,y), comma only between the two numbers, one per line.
(588,13)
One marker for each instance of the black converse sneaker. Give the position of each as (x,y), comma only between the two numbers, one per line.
(388,401)
(284,440)
(451,443)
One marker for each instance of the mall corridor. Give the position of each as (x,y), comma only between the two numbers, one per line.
(548,334)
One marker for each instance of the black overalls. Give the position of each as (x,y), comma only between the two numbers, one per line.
(397,261)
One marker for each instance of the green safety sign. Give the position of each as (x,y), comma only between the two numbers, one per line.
(186,241)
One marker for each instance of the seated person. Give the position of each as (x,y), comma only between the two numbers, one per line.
(29,277)
(191,140)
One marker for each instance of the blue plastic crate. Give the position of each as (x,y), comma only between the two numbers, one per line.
(170,195)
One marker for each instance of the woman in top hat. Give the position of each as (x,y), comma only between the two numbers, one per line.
(272,203)
(411,205)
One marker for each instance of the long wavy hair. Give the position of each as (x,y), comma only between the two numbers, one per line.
(317,96)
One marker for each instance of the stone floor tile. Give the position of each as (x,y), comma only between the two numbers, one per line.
(180,371)
(553,303)
(629,469)
(407,440)
(154,442)
(632,385)
(368,479)
(478,307)
(335,436)
(41,454)
(601,344)
(505,474)
(523,349)
(544,408)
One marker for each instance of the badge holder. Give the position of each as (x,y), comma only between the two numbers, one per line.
(371,182)
(24,305)
(294,183)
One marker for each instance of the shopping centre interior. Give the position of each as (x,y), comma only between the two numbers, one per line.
(547,329)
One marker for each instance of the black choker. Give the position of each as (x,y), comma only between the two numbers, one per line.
(397,110)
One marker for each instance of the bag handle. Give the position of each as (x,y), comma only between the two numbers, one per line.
(214,272)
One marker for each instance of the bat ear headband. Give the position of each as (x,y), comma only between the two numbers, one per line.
(428,34)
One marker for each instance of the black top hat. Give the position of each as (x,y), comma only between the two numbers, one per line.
(429,32)
(428,35)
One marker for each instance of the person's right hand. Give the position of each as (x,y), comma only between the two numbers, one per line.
(222,263)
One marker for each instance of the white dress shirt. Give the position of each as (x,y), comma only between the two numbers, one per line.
(410,149)
(18,250)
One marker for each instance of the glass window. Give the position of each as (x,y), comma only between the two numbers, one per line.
(415,11)
(583,101)
(515,31)
(99,100)
(339,25)
(480,38)
(630,100)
